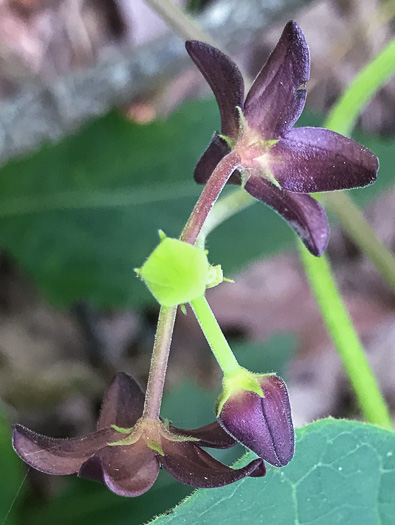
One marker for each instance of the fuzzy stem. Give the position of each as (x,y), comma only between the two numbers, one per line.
(215,338)
(208,197)
(362,234)
(345,338)
(159,360)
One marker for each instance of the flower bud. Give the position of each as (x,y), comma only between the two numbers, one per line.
(262,424)
(176,272)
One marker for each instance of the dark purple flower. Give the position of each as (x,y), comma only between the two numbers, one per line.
(127,451)
(262,424)
(281,165)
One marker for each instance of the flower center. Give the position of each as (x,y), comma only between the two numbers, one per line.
(253,149)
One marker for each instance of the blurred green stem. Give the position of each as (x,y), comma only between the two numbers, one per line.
(342,119)
(345,338)
(362,234)
(180,21)
(344,114)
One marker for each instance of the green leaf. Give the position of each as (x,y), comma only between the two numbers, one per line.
(80,215)
(11,482)
(343,472)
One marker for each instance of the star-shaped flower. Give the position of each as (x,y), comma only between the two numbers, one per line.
(281,165)
(127,451)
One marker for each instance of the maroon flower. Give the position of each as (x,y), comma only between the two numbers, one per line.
(281,165)
(127,451)
(262,424)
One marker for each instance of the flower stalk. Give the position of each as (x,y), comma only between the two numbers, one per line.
(346,340)
(209,196)
(159,360)
(215,338)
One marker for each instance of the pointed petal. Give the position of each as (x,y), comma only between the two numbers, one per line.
(92,470)
(215,152)
(193,466)
(129,470)
(123,403)
(303,213)
(308,160)
(58,456)
(278,94)
(263,425)
(225,80)
(212,435)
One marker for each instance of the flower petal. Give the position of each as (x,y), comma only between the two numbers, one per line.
(123,403)
(303,213)
(308,160)
(129,470)
(92,470)
(58,456)
(263,425)
(193,466)
(278,94)
(212,435)
(225,80)
(215,152)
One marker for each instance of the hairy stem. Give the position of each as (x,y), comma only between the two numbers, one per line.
(208,197)
(215,338)
(159,360)
(345,338)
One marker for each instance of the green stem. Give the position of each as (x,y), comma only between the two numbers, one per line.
(345,338)
(362,234)
(348,107)
(215,338)
(159,360)
(180,21)
(342,119)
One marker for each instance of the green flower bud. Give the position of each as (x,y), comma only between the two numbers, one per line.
(176,272)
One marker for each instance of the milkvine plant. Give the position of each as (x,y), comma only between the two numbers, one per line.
(258,149)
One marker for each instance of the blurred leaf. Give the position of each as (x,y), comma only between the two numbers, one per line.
(272,356)
(189,405)
(78,216)
(11,481)
(88,503)
(343,472)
